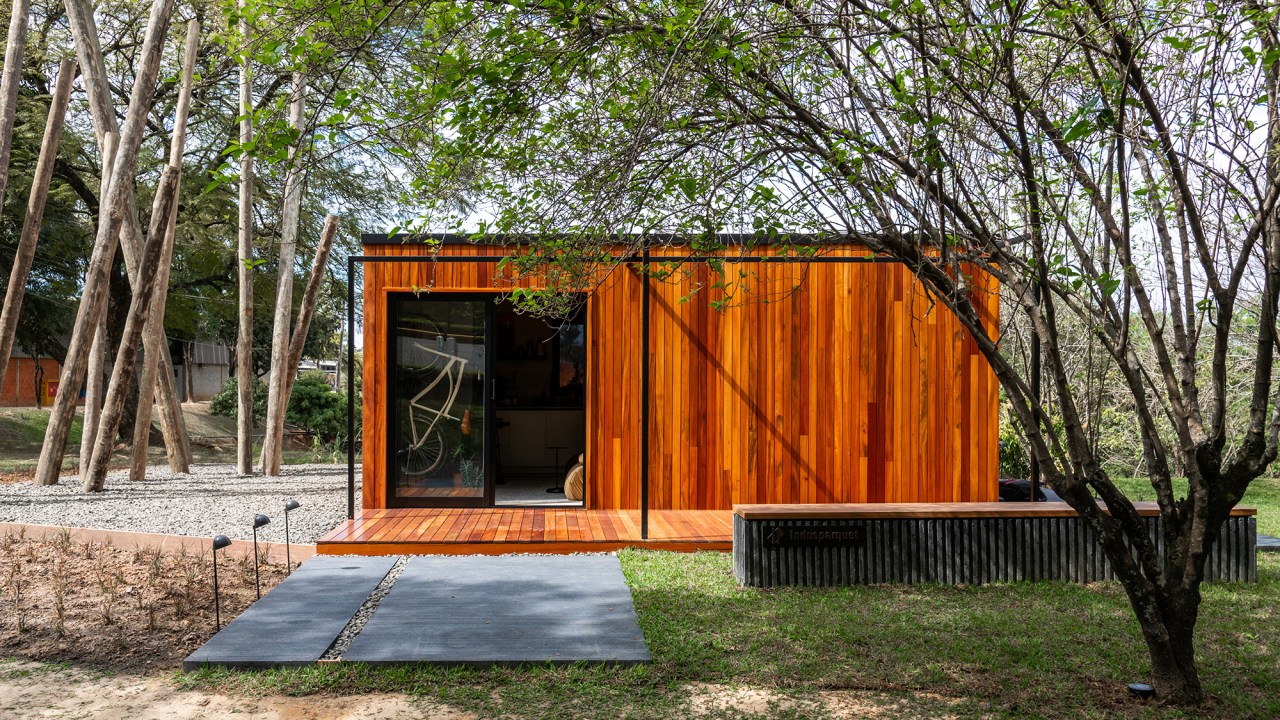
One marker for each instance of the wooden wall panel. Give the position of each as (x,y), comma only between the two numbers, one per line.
(816,383)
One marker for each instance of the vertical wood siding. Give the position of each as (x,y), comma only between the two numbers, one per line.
(828,382)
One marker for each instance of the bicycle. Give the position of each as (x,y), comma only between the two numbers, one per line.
(426,451)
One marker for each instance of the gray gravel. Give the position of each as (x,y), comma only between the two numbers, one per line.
(211,500)
(361,618)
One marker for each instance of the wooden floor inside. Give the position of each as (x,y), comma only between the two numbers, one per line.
(495,531)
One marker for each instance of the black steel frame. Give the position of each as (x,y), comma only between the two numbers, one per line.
(643,259)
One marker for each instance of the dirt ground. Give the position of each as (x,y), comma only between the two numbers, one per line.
(93,631)
(101,607)
(31,690)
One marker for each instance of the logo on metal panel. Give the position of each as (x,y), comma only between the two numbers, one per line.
(834,535)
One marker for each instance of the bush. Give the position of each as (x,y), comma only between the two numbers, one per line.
(1014,462)
(226,401)
(315,406)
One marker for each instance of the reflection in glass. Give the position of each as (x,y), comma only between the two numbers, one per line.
(438,396)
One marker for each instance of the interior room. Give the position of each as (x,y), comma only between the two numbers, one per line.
(540,372)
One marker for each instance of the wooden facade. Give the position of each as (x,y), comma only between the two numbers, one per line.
(813,383)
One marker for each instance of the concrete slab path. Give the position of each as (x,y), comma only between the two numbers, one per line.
(504,610)
(299,619)
(449,610)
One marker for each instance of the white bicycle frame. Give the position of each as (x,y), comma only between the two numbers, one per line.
(455,384)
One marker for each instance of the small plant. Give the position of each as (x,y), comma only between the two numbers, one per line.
(62,540)
(155,565)
(17,583)
(109,585)
(472,473)
(60,587)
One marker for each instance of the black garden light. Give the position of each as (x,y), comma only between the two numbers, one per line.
(258,521)
(289,504)
(219,542)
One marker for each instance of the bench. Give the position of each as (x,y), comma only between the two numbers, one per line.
(956,543)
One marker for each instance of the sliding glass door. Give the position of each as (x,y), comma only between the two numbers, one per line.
(437,400)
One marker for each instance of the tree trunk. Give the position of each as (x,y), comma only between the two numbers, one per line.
(244,341)
(112,218)
(309,297)
(26,251)
(156,346)
(89,52)
(95,383)
(277,400)
(18,20)
(1168,620)
(126,358)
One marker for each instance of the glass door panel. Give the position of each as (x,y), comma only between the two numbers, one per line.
(436,435)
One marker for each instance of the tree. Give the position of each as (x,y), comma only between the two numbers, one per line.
(1116,167)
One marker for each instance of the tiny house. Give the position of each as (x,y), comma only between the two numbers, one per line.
(830,379)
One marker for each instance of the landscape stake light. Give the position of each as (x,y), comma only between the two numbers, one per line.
(258,521)
(289,504)
(219,542)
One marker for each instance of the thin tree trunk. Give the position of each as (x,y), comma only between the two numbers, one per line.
(244,342)
(95,383)
(309,296)
(126,358)
(17,43)
(26,251)
(277,400)
(89,53)
(156,347)
(112,217)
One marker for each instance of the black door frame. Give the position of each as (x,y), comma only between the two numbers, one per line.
(395,301)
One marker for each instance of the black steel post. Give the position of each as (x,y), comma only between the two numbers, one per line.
(1035,394)
(351,389)
(644,397)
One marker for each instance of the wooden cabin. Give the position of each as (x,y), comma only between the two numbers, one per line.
(832,381)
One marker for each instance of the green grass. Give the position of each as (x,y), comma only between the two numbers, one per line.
(1263,494)
(1018,650)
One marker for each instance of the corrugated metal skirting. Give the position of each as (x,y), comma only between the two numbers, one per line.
(958,550)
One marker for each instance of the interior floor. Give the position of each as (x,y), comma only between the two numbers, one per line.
(530,490)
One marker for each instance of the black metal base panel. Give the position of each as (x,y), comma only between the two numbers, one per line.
(971,551)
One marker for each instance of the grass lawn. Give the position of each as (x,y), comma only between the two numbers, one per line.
(1263,493)
(719,650)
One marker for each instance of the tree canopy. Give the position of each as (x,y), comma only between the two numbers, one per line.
(1116,165)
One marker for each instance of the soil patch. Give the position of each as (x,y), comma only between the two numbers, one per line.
(104,607)
(29,689)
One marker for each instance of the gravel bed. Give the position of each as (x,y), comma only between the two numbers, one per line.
(211,500)
(361,617)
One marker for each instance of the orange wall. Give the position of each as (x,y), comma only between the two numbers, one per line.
(827,382)
(17,389)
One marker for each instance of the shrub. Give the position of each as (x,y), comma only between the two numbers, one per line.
(1014,462)
(226,401)
(315,406)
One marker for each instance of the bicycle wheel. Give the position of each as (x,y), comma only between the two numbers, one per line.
(424,457)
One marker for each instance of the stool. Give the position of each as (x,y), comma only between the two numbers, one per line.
(558,488)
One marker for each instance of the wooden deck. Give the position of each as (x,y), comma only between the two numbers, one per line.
(495,531)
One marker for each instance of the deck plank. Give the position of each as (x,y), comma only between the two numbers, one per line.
(460,530)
